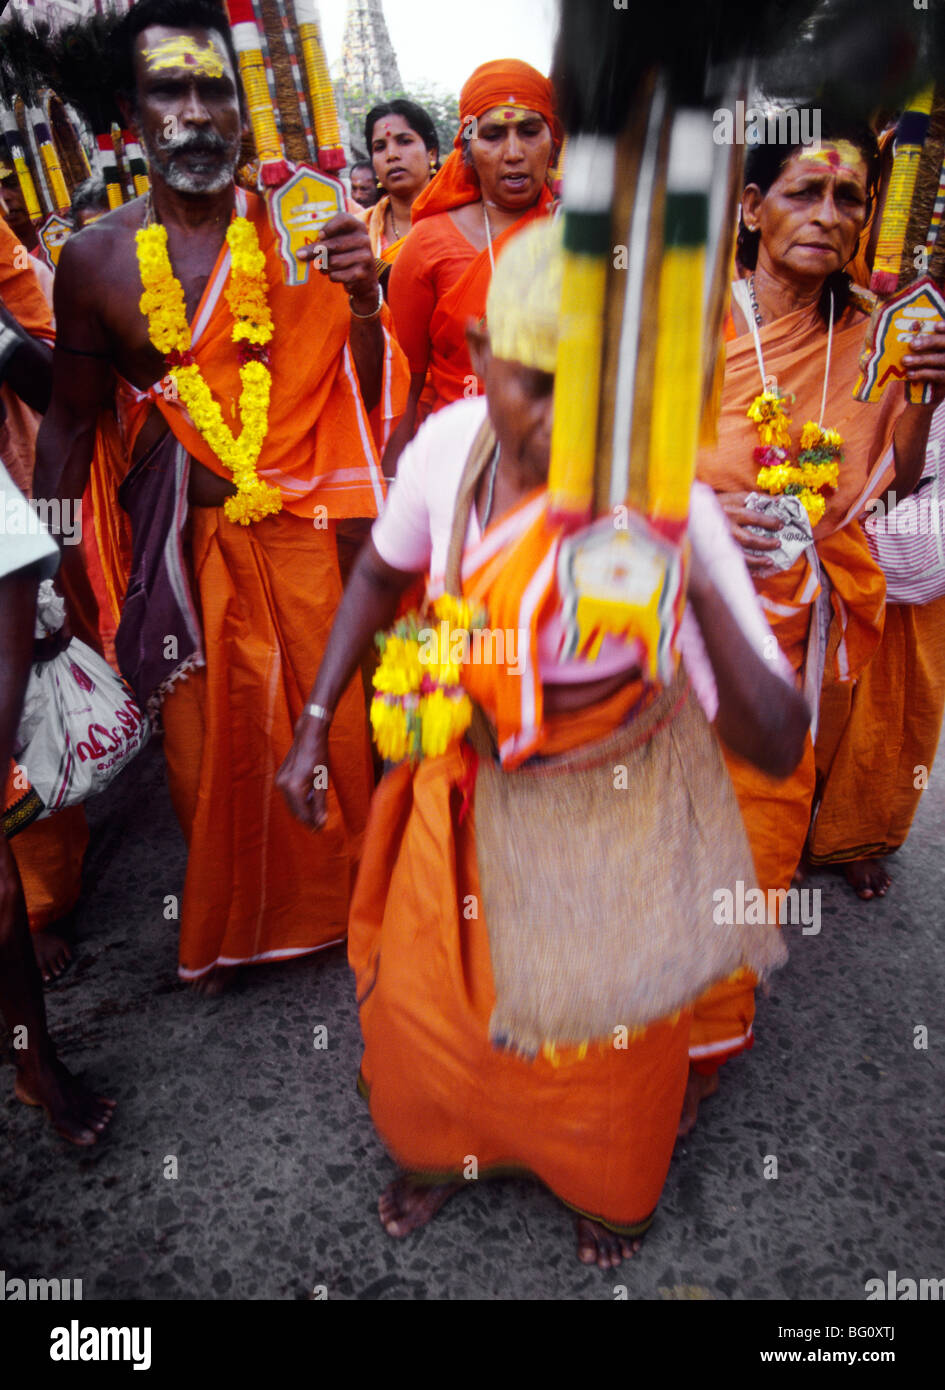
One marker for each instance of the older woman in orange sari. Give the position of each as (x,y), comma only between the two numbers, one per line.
(793,358)
(492,185)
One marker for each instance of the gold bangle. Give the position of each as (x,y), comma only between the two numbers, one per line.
(374,312)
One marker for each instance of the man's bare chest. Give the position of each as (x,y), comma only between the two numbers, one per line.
(136,357)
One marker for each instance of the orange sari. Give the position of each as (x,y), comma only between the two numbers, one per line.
(777,813)
(878,739)
(597,1124)
(794,347)
(439,282)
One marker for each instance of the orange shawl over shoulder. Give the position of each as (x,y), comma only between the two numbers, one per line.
(439,282)
(794,349)
(320,447)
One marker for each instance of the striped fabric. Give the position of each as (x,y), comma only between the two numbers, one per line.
(909,543)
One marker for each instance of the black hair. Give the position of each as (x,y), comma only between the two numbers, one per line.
(173,14)
(764,163)
(363,164)
(89,194)
(419,121)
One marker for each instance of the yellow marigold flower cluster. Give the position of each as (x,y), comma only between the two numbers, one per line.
(813,437)
(444,718)
(816,469)
(246,285)
(769,414)
(813,503)
(400,670)
(164,307)
(458,612)
(778,477)
(389,726)
(162,302)
(420,708)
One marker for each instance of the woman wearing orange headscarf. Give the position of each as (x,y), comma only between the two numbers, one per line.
(493,184)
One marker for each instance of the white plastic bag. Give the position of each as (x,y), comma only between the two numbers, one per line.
(80,724)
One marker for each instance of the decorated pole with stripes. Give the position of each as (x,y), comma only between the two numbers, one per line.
(17,153)
(331,155)
(136,162)
(247,40)
(108,161)
(59,192)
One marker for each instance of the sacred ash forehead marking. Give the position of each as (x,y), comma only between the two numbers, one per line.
(511,111)
(836,154)
(185,51)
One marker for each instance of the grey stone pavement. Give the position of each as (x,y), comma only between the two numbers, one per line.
(279,1166)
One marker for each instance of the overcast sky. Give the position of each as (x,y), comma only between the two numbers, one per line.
(439,42)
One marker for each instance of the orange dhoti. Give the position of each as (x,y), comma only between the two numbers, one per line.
(878,739)
(259,885)
(48,852)
(596,1124)
(49,856)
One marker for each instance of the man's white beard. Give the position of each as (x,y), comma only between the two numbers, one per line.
(163,160)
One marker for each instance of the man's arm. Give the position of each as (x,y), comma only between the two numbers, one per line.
(25,362)
(82,381)
(350,262)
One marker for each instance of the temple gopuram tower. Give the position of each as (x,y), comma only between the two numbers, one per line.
(368,62)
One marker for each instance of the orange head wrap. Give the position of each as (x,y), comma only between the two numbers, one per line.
(505,82)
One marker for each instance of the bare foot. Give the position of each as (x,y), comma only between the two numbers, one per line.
(74,1111)
(698,1089)
(215,982)
(52,953)
(867,877)
(407,1204)
(598,1246)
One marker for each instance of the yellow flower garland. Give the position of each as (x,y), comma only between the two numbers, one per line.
(420,708)
(163,305)
(817,469)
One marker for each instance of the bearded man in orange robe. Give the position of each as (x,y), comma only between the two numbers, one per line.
(223,623)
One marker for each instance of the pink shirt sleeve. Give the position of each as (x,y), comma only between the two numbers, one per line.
(713,542)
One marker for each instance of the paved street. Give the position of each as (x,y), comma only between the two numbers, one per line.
(278,1166)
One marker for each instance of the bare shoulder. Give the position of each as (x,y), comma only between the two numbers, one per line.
(97,251)
(97,283)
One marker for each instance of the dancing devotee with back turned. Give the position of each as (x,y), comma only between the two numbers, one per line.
(248,410)
(492,917)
